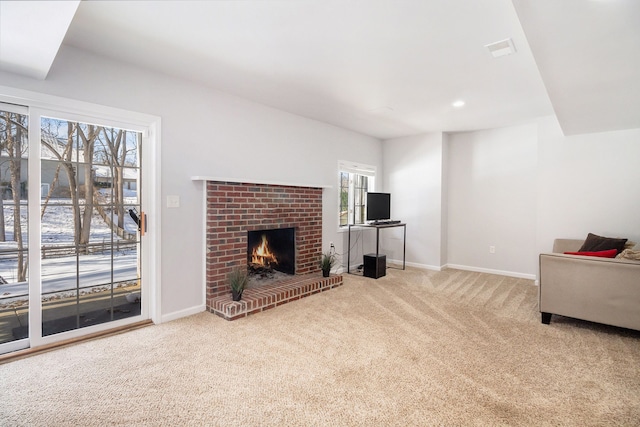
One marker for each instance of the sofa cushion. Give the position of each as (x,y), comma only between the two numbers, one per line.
(595,243)
(610,253)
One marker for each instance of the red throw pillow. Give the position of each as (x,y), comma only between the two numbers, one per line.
(611,253)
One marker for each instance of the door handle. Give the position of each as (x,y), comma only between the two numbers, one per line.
(143,223)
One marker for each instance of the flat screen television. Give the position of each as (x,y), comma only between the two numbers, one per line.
(378,206)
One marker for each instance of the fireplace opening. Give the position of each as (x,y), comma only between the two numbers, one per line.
(271,251)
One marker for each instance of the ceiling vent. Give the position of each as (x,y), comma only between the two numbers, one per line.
(501,48)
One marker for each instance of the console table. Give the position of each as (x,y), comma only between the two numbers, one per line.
(377,227)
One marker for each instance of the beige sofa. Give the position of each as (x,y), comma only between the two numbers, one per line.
(603,290)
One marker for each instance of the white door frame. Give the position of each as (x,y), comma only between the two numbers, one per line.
(52,106)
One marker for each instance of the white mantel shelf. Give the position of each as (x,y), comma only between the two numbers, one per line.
(255,181)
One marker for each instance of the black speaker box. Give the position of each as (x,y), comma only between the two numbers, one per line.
(375,267)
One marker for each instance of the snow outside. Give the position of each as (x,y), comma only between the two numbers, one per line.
(59,272)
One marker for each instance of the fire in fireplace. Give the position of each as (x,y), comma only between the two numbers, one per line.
(261,255)
(272,249)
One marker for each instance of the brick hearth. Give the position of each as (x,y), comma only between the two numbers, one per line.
(255,300)
(232,210)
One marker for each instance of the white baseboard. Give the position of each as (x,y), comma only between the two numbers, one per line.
(183,313)
(492,271)
(398,262)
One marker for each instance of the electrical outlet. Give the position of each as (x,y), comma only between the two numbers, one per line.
(492,249)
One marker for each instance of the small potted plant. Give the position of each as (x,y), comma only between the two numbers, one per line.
(238,278)
(327,261)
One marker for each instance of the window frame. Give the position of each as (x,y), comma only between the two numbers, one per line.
(354,169)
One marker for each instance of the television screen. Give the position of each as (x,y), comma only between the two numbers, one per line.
(378,206)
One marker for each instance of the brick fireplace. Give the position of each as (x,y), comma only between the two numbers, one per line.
(234,209)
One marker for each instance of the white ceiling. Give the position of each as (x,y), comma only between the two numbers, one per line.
(588,53)
(385,68)
(31,34)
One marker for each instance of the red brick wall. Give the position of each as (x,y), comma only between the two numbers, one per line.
(233,209)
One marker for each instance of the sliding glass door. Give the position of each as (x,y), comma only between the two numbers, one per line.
(85,219)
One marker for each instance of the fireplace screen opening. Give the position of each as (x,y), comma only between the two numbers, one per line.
(271,250)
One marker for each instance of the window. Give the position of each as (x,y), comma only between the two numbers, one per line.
(356,180)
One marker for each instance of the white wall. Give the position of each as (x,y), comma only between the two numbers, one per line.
(414,168)
(587,184)
(492,200)
(519,188)
(206,132)
(515,188)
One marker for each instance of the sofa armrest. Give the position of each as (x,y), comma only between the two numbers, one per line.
(602,290)
(561,246)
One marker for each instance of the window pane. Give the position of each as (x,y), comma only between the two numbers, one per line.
(360,195)
(344,198)
(14,287)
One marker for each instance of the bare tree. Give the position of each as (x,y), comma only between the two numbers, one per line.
(4,128)
(83,138)
(88,143)
(115,155)
(15,129)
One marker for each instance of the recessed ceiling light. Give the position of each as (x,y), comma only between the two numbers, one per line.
(458,104)
(501,48)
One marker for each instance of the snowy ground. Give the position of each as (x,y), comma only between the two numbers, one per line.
(59,274)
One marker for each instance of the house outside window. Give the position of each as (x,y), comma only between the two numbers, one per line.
(356,180)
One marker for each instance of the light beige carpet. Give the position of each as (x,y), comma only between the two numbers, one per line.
(415,348)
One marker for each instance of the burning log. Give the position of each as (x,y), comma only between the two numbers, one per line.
(265,271)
